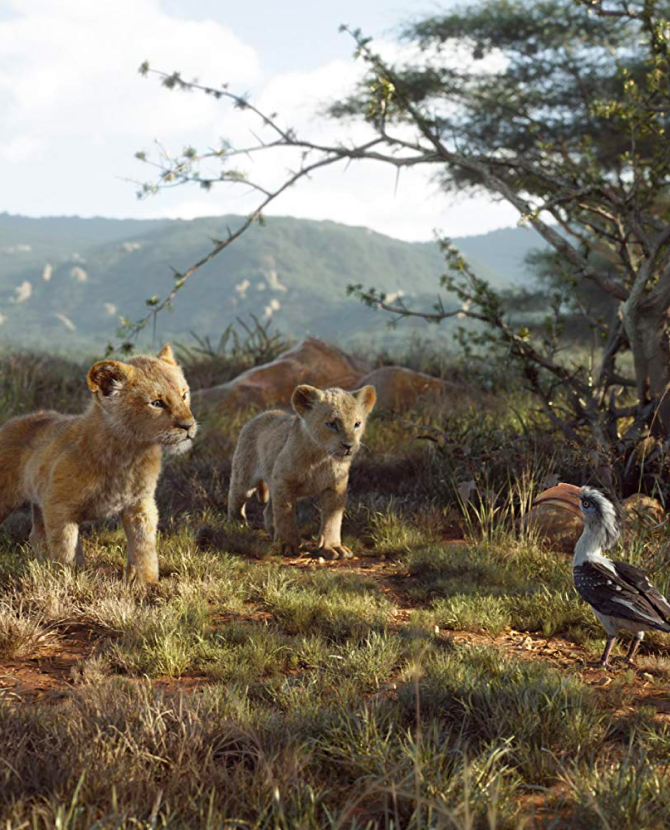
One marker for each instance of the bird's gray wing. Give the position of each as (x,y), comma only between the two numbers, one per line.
(610,592)
(639,579)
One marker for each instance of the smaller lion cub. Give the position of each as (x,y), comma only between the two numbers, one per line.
(283,457)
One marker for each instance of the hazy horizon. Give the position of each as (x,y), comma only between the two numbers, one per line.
(242,216)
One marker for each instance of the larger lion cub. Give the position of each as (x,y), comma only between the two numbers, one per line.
(283,456)
(103,463)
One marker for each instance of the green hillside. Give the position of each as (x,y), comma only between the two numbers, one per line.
(292,271)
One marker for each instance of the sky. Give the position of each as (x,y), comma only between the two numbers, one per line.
(74,110)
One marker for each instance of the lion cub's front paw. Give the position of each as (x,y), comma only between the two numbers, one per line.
(334,552)
(291,548)
(137,575)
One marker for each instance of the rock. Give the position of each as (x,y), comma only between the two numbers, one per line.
(320,364)
(555,525)
(310,361)
(641,508)
(398,388)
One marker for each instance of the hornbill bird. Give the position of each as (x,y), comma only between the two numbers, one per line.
(621,595)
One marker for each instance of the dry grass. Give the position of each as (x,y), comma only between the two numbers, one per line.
(243,691)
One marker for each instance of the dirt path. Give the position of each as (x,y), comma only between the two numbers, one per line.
(49,677)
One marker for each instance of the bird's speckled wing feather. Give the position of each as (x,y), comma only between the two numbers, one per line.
(622,591)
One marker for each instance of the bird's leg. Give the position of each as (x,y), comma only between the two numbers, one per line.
(634,645)
(604,660)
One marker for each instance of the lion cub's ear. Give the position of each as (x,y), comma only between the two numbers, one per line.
(367,398)
(167,355)
(108,376)
(305,398)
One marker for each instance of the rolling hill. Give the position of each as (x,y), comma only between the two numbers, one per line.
(66,280)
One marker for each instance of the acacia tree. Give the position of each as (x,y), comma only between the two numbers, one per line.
(563,113)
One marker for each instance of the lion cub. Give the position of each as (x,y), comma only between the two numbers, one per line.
(283,457)
(105,462)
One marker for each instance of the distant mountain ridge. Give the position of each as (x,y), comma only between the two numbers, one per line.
(66,280)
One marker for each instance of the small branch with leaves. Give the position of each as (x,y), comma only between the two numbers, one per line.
(596,196)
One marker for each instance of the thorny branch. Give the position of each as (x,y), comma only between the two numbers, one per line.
(576,210)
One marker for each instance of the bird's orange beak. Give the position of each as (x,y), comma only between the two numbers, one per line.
(563,495)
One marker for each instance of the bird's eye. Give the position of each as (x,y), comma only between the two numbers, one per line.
(586,503)
(357,425)
(332,425)
(158,403)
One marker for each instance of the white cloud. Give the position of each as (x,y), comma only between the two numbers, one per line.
(75,110)
(70,92)
(409,206)
(21,148)
(272,276)
(21,248)
(70,65)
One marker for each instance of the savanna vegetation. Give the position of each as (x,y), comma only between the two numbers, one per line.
(292,271)
(436,680)
(561,110)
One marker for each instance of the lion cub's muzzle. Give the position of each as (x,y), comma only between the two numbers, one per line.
(345,450)
(189,426)
(180,438)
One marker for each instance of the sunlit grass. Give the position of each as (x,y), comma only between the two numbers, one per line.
(244,691)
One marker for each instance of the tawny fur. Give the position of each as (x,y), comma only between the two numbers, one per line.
(282,457)
(102,463)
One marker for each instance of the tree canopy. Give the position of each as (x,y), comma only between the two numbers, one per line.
(561,109)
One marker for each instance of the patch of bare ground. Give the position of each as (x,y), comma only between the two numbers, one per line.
(49,676)
(621,690)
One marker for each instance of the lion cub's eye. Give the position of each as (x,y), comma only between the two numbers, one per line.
(158,403)
(332,425)
(184,396)
(357,425)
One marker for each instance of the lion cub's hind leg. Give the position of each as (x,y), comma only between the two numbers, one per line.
(284,519)
(39,541)
(267,517)
(38,535)
(237,504)
(241,489)
(62,539)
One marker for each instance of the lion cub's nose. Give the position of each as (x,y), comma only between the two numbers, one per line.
(347,446)
(187,424)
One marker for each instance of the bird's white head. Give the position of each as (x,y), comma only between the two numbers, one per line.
(593,508)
